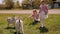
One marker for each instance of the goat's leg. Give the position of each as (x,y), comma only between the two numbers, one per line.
(16,27)
(21,23)
(19,27)
(22,28)
(8,25)
(16,30)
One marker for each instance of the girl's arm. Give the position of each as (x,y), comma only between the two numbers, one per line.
(30,16)
(39,9)
(46,12)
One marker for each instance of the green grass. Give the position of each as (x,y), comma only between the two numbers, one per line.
(52,24)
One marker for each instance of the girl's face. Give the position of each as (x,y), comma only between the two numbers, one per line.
(42,2)
(34,12)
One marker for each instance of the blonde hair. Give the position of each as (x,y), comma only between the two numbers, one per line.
(34,10)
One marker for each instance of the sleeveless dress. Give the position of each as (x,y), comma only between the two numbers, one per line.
(43,9)
(36,17)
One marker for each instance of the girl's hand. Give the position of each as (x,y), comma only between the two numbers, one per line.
(46,12)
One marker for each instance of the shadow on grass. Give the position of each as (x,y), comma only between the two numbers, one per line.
(18,33)
(33,23)
(43,30)
(10,28)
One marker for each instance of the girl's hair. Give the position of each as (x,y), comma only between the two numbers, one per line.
(34,10)
(42,2)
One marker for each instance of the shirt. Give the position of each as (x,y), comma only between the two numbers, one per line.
(44,8)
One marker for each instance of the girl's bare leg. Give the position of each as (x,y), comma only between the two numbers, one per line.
(42,21)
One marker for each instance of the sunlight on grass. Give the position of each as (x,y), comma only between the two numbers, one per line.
(52,23)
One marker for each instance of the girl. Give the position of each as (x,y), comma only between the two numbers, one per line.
(35,16)
(43,12)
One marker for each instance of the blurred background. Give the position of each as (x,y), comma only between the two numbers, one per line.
(27,4)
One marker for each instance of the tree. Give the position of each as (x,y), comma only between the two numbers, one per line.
(26,4)
(17,4)
(9,4)
(36,3)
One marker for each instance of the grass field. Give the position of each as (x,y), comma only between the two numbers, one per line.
(52,24)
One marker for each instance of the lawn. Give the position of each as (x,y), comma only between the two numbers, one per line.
(52,24)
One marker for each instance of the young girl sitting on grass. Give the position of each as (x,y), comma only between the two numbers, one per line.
(35,16)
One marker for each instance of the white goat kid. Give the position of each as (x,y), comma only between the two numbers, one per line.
(19,25)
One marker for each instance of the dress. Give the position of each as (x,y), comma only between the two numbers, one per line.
(43,9)
(42,15)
